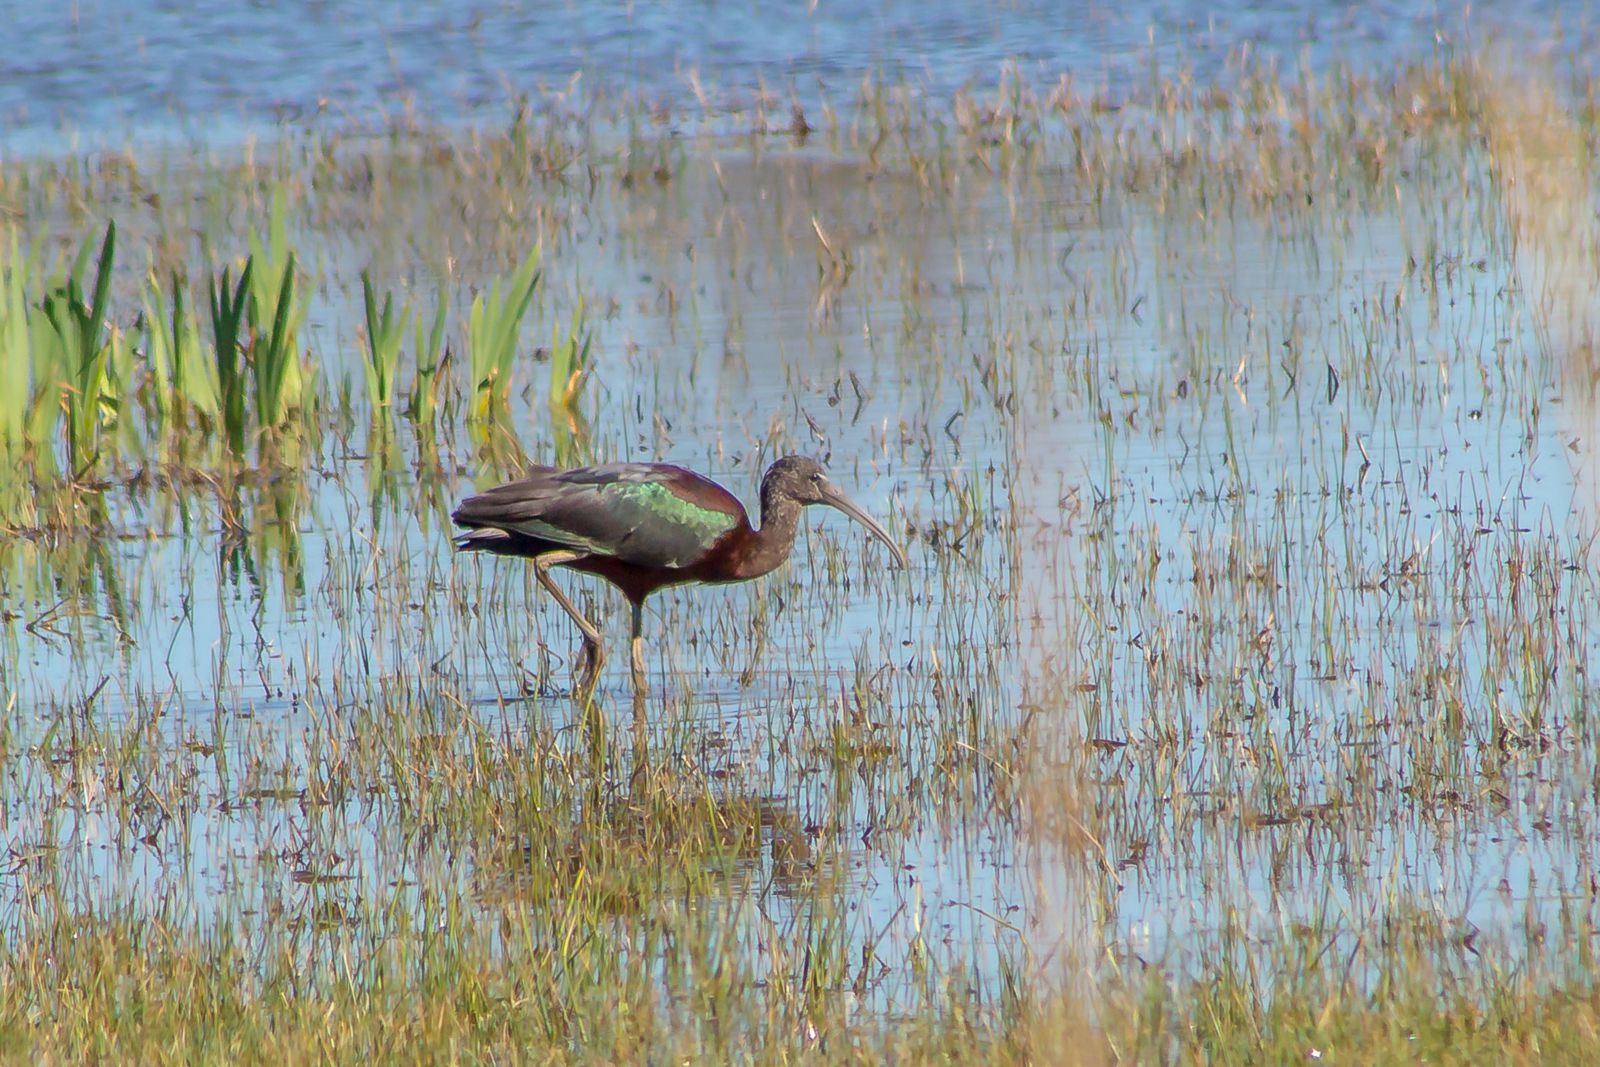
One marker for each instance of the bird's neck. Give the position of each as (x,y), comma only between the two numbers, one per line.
(780,518)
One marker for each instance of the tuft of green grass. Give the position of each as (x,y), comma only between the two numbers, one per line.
(385,329)
(276,314)
(494,335)
(16,349)
(432,359)
(274,355)
(569,370)
(74,359)
(183,378)
(228,331)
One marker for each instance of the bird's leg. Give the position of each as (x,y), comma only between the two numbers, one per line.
(588,665)
(641,742)
(637,650)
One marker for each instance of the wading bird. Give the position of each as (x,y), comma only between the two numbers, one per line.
(644,526)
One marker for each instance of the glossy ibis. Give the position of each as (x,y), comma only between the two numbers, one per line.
(644,526)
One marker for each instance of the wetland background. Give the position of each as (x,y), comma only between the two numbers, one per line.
(1229,377)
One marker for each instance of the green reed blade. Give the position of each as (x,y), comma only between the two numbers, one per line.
(92,326)
(16,352)
(494,333)
(193,376)
(569,360)
(275,318)
(430,361)
(184,381)
(158,354)
(273,362)
(227,318)
(78,350)
(385,329)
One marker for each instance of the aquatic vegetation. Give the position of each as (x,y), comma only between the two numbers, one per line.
(73,356)
(183,380)
(16,356)
(275,316)
(385,330)
(229,331)
(569,370)
(494,336)
(272,355)
(431,356)
(1234,706)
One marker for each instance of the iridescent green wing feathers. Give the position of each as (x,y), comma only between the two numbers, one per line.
(647,514)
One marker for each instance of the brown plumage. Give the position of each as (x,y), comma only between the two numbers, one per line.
(645,526)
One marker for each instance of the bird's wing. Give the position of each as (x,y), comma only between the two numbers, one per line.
(648,514)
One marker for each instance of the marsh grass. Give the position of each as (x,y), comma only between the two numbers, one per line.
(16,362)
(227,302)
(75,352)
(184,382)
(276,314)
(1234,709)
(431,357)
(385,330)
(494,335)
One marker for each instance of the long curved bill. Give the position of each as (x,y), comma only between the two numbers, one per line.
(833,497)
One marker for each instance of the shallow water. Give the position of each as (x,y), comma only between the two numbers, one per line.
(1320,456)
(100,72)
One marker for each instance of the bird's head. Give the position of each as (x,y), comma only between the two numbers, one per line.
(802,480)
